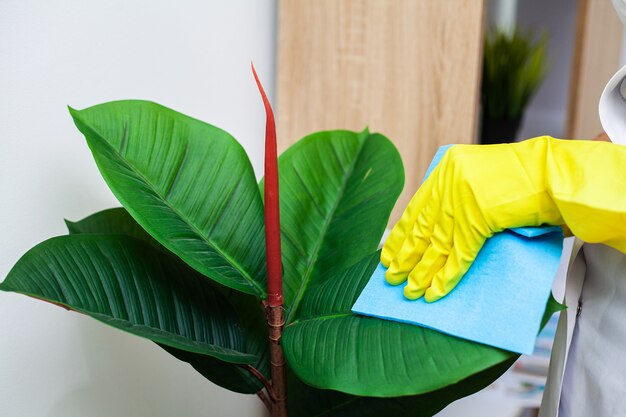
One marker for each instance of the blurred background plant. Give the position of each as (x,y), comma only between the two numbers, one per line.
(514,66)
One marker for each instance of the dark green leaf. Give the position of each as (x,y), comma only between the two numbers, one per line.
(231,376)
(306,401)
(227,375)
(188,184)
(127,284)
(329,347)
(337,190)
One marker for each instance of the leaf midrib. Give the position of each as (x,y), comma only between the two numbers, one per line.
(321,317)
(192,226)
(293,308)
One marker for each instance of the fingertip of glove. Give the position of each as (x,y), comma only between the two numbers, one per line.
(385,258)
(394,278)
(431,295)
(412,293)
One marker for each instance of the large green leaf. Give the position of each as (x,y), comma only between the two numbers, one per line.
(330,347)
(306,401)
(129,285)
(337,189)
(227,375)
(188,184)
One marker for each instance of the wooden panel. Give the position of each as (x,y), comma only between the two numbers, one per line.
(597,49)
(406,68)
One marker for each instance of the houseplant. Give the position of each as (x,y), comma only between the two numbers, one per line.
(183,265)
(514,66)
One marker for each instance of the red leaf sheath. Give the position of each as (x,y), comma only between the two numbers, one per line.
(272,210)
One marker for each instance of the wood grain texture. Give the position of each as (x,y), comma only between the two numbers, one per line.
(409,69)
(597,49)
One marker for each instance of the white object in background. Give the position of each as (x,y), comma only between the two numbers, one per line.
(612,108)
(191,55)
(504,14)
(620,8)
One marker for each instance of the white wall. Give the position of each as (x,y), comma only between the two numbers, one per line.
(193,56)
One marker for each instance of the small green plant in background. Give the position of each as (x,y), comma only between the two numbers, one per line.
(514,67)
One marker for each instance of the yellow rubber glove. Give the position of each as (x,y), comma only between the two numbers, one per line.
(478,190)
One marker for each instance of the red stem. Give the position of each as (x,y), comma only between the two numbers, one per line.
(272,210)
(274,310)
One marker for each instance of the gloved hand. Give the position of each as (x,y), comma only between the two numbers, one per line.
(478,190)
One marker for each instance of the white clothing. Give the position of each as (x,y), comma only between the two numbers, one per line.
(587,375)
(593,381)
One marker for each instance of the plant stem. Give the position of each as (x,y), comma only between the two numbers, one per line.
(272,207)
(266,401)
(276,321)
(275,311)
(258,375)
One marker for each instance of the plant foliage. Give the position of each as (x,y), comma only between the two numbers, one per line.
(182,264)
(514,66)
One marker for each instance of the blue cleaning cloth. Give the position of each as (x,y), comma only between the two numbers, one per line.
(499,302)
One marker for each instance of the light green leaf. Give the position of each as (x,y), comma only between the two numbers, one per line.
(124,282)
(329,347)
(247,307)
(337,189)
(190,185)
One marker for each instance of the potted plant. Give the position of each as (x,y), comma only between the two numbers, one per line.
(514,66)
(183,263)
